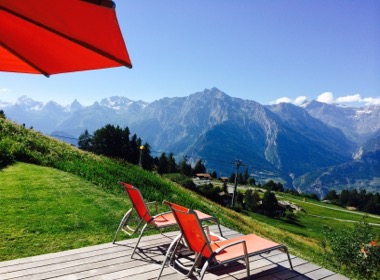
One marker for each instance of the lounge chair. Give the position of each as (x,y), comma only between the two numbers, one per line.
(208,253)
(159,221)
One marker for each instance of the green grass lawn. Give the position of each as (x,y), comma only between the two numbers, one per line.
(306,225)
(53,212)
(60,211)
(315,215)
(318,208)
(46,210)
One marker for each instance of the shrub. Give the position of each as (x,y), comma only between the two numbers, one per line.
(269,203)
(180,179)
(355,250)
(290,216)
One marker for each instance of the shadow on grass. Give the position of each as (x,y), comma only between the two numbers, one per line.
(294,222)
(5,163)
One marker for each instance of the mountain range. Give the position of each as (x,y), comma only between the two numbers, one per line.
(313,147)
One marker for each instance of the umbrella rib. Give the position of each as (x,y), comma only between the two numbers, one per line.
(81,43)
(31,64)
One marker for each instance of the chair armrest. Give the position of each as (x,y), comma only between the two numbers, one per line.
(220,249)
(163,213)
(206,229)
(212,237)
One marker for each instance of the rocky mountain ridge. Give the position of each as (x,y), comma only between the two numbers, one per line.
(281,142)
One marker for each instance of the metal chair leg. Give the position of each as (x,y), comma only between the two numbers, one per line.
(220,230)
(122,223)
(168,253)
(290,261)
(138,240)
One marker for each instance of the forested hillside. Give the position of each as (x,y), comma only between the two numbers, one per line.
(295,145)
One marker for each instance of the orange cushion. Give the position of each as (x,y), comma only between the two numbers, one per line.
(254,244)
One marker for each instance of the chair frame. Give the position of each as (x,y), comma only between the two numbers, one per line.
(144,216)
(206,249)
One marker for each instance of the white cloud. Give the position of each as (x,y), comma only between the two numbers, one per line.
(349,98)
(4,90)
(371,101)
(282,100)
(326,97)
(299,100)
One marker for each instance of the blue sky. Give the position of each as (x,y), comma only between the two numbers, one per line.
(252,49)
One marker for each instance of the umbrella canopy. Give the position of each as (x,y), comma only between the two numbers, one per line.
(50,37)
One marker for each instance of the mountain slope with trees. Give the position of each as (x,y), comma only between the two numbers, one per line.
(362,173)
(280,142)
(220,129)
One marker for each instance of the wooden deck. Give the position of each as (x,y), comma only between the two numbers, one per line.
(112,261)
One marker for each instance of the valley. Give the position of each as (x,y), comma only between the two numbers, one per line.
(312,148)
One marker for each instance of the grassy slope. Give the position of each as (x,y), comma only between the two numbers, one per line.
(20,144)
(46,210)
(330,211)
(99,201)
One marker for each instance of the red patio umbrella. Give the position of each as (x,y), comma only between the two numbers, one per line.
(57,36)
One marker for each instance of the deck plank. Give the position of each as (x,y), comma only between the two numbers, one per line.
(113,262)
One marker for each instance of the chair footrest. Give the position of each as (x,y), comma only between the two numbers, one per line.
(128,230)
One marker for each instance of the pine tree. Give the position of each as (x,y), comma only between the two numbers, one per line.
(248,199)
(269,203)
(134,149)
(162,164)
(252,199)
(172,166)
(108,141)
(246,176)
(185,168)
(199,167)
(125,150)
(251,181)
(332,195)
(147,160)
(232,178)
(85,141)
